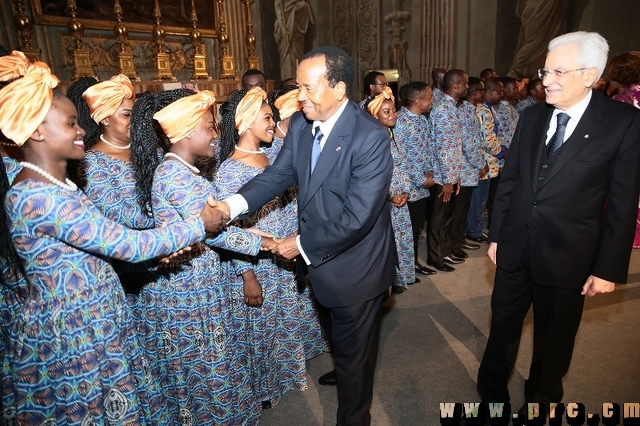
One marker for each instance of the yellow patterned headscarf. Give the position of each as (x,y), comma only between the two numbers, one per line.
(249,108)
(288,103)
(104,98)
(374,105)
(13,65)
(181,117)
(25,102)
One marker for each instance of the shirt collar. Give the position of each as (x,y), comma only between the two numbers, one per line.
(576,111)
(327,125)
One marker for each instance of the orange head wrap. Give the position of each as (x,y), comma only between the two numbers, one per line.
(288,103)
(25,102)
(105,98)
(374,105)
(13,66)
(249,108)
(181,117)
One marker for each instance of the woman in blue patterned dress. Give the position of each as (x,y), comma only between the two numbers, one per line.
(264,299)
(184,315)
(71,357)
(105,174)
(382,107)
(286,103)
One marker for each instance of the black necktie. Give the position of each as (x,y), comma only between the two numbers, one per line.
(558,137)
(315,150)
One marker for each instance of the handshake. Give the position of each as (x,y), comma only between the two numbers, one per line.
(216,214)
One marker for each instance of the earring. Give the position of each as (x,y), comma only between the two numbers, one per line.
(188,136)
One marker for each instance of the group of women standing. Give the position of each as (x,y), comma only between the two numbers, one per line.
(129,300)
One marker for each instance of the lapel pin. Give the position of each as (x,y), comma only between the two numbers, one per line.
(586,136)
(338,148)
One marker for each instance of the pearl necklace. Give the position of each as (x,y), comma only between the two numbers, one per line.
(8,144)
(114,146)
(69,186)
(183,161)
(281,131)
(247,151)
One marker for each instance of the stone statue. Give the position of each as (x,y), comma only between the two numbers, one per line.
(292,21)
(542,20)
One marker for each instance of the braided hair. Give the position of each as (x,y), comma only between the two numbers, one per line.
(146,136)
(91,128)
(228,133)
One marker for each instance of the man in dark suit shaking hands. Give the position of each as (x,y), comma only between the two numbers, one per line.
(563,218)
(340,158)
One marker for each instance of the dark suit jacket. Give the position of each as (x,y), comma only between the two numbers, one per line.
(562,216)
(343,208)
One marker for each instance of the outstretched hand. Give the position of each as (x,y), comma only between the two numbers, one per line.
(214,219)
(286,248)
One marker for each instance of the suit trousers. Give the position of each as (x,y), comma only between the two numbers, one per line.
(440,216)
(556,317)
(354,332)
(460,211)
(418,214)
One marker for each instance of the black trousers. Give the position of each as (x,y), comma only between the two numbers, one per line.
(418,214)
(556,317)
(354,333)
(439,216)
(459,217)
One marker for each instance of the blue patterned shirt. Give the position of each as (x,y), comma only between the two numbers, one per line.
(412,131)
(526,102)
(445,145)
(472,157)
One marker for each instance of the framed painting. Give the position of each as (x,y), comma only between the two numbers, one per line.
(137,15)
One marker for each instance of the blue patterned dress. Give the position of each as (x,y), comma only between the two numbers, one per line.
(400,219)
(111,185)
(272,339)
(185,318)
(72,353)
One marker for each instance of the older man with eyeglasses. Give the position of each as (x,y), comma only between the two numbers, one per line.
(549,238)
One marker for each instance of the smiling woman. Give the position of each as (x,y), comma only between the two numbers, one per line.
(72,336)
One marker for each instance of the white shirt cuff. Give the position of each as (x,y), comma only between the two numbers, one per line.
(304,256)
(237,206)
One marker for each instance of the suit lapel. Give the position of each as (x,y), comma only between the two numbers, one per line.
(304,159)
(331,151)
(582,135)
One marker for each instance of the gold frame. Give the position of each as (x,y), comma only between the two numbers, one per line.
(205,30)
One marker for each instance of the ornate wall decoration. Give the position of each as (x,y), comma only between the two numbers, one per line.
(368,31)
(397,47)
(341,24)
(104,53)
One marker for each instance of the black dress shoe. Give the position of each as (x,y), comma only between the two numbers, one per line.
(328,379)
(266,405)
(452,260)
(470,246)
(416,281)
(481,239)
(442,267)
(459,253)
(396,289)
(424,270)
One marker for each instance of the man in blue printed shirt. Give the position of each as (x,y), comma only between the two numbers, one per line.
(445,149)
(472,166)
(412,128)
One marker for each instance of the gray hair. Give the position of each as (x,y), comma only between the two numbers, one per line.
(592,48)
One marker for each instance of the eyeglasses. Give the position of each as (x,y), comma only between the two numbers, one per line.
(381,84)
(542,72)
